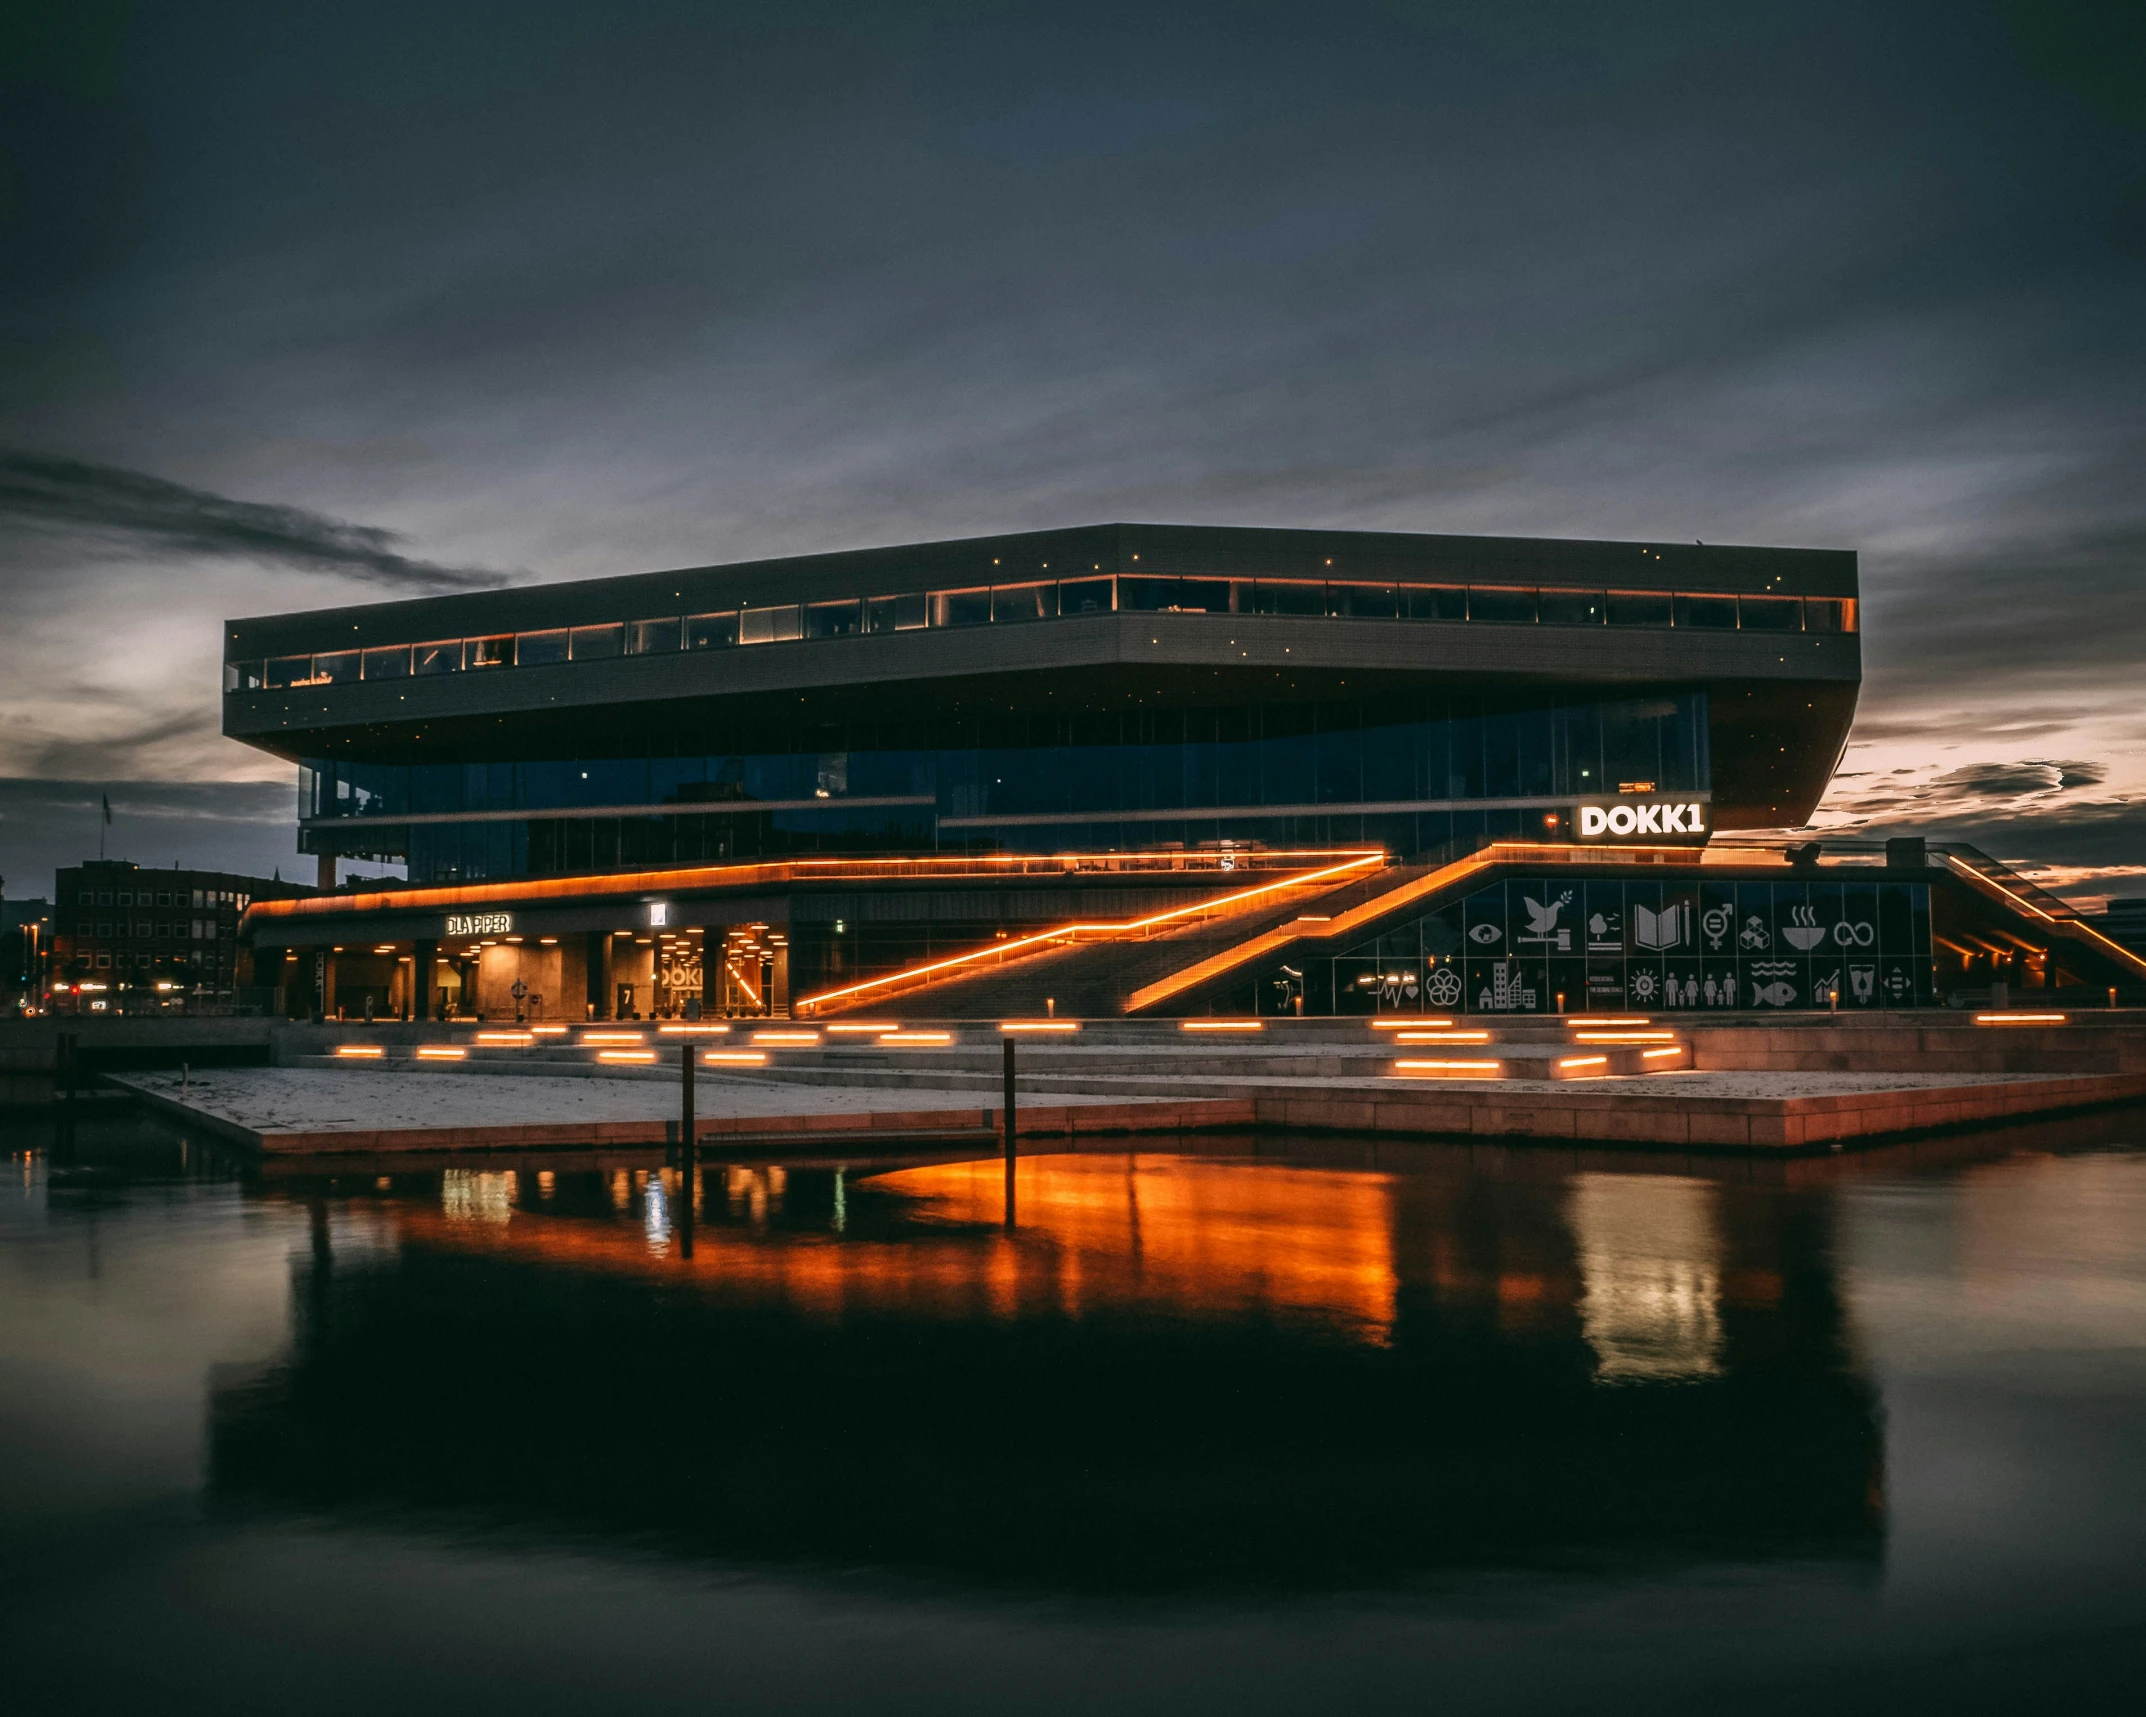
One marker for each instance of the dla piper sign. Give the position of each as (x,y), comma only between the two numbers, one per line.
(481,924)
(1670,822)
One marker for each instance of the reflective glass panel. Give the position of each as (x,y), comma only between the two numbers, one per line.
(336,669)
(1822,614)
(834,619)
(1024,602)
(711,631)
(1288,596)
(390,663)
(537,649)
(896,613)
(1085,596)
(592,643)
(1362,601)
(1717,613)
(767,625)
(960,607)
(1570,607)
(488,652)
(289,670)
(1501,607)
(652,637)
(444,657)
(1772,614)
(1641,608)
(1435,602)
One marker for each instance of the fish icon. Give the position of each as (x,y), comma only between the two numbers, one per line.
(1774,995)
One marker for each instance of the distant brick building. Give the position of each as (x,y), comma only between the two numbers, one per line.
(125,939)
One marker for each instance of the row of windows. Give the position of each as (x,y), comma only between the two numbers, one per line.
(200,929)
(201,898)
(104,960)
(1004,604)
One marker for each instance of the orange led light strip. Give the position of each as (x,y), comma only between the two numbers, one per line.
(1449,1067)
(734,1058)
(916,1037)
(548,1030)
(1658,1054)
(1624,1037)
(2021,1019)
(508,1037)
(1221,1025)
(1060,1026)
(367,1051)
(626,1055)
(614,1037)
(1405,1024)
(435,1052)
(1585,1061)
(691,1030)
(863,1027)
(1443,1037)
(1608,1019)
(789,1037)
(1120,927)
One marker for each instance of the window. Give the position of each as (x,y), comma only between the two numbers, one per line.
(1087,596)
(1640,608)
(105,898)
(711,631)
(895,613)
(595,643)
(1772,614)
(488,652)
(444,657)
(1434,602)
(391,662)
(163,899)
(1024,602)
(197,900)
(1570,607)
(1501,607)
(1828,614)
(1717,613)
(337,669)
(245,676)
(834,619)
(540,649)
(87,899)
(289,670)
(960,607)
(1362,601)
(767,625)
(652,637)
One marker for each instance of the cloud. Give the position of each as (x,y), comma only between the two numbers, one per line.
(241,826)
(2010,780)
(112,506)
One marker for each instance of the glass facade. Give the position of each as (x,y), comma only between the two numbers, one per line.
(1423,774)
(1543,944)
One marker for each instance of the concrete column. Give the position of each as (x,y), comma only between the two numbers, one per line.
(325,870)
(425,960)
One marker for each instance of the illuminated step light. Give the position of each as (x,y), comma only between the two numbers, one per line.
(1609,1019)
(715,1030)
(516,1038)
(1442,1037)
(642,1055)
(733,1058)
(440,1052)
(1033,1026)
(1624,1037)
(614,1037)
(1572,1061)
(1450,1069)
(1418,1023)
(2020,1019)
(787,1037)
(1662,1054)
(916,1037)
(1222,1025)
(863,1028)
(360,1051)
(549,1030)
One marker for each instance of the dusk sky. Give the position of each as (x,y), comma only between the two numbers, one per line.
(306,305)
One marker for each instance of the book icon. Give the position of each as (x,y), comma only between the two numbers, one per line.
(1663,929)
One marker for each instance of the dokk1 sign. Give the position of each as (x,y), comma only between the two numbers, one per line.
(1681,820)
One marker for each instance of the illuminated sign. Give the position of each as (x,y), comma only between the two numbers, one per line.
(1673,821)
(481,924)
(659,912)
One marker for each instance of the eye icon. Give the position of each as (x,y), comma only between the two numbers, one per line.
(1485,933)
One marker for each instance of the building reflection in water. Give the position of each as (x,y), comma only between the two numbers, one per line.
(1179,1373)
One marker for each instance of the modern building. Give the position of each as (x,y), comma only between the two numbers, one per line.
(761,786)
(128,940)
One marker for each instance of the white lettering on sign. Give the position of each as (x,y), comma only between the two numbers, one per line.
(481,924)
(1616,822)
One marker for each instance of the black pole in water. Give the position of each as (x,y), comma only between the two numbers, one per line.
(1009,1132)
(688,1148)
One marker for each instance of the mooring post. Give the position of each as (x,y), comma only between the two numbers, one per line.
(1009,1131)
